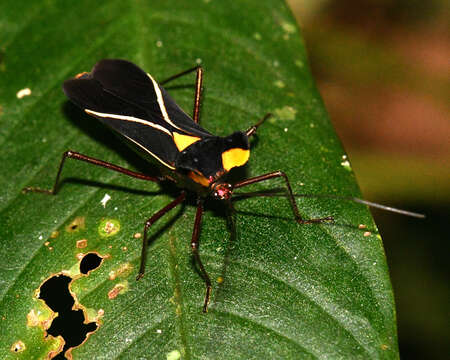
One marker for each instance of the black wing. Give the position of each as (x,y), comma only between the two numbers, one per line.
(130,83)
(128,100)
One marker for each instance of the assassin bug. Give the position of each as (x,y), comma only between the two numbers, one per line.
(134,105)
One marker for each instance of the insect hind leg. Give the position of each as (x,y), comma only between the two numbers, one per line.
(195,245)
(77,156)
(147,226)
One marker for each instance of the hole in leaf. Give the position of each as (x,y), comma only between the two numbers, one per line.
(77,224)
(69,323)
(90,262)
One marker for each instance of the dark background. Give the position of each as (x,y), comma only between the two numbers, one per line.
(382,67)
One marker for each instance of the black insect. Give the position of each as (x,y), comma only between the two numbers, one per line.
(134,105)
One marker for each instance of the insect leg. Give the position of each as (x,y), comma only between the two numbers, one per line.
(176,76)
(149,223)
(291,198)
(198,88)
(77,156)
(195,251)
(198,95)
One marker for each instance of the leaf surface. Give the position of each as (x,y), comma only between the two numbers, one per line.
(280,289)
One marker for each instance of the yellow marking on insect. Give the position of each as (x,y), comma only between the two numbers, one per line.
(199,179)
(183,141)
(77,76)
(161,104)
(128,118)
(234,157)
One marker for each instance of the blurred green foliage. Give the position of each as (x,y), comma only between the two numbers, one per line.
(286,291)
(382,68)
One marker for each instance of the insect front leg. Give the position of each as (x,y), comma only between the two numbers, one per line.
(291,198)
(77,156)
(149,223)
(195,245)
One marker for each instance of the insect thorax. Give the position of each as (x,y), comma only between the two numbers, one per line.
(214,156)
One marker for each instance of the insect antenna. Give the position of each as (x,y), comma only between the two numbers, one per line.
(276,193)
(252,129)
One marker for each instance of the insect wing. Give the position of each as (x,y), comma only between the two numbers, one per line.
(131,84)
(145,131)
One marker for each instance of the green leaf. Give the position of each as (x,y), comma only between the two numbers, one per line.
(280,289)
